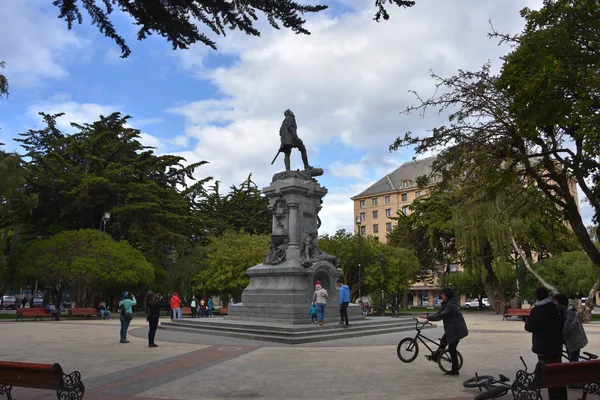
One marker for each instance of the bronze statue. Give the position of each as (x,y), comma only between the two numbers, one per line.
(290,140)
(310,252)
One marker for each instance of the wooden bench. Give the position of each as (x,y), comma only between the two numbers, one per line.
(40,376)
(83,312)
(32,312)
(186,311)
(586,373)
(223,311)
(516,312)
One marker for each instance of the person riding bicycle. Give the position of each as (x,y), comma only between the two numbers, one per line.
(455,327)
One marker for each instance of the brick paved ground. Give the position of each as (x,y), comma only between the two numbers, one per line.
(190,366)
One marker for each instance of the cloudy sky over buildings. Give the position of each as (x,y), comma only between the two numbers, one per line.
(347,83)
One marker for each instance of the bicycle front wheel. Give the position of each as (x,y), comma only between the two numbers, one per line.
(408,350)
(477,381)
(445,362)
(496,391)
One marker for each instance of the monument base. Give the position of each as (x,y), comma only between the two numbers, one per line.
(283,293)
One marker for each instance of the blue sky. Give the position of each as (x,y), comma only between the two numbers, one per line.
(347,84)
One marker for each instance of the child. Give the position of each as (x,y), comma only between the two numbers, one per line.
(313,313)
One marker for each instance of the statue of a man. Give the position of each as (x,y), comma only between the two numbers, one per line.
(290,140)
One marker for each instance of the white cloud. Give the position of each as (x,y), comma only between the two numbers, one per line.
(79,113)
(34,47)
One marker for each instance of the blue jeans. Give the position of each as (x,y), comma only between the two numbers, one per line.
(105,313)
(177,313)
(313,318)
(321,311)
(124,327)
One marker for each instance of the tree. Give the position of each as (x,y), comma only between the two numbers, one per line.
(87,262)
(537,119)
(176,20)
(243,208)
(103,167)
(230,255)
(3,82)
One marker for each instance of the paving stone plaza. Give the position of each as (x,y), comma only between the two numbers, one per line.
(198,366)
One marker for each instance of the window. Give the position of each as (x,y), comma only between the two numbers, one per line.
(404,184)
(375,214)
(377,238)
(388,226)
(362,204)
(376,228)
(363,230)
(405,197)
(417,195)
(374,201)
(405,210)
(388,199)
(388,212)
(363,216)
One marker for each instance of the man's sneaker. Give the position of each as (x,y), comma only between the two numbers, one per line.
(152,345)
(124,341)
(452,373)
(341,322)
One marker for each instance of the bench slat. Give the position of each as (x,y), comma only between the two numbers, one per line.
(565,374)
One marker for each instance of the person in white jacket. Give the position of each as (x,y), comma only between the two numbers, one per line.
(320,300)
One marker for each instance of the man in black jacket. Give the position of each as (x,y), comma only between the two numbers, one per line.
(546,323)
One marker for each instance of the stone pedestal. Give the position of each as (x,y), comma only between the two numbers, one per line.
(281,289)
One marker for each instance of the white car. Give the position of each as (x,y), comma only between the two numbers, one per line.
(474,303)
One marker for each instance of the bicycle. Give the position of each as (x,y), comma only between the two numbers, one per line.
(494,388)
(583,356)
(408,350)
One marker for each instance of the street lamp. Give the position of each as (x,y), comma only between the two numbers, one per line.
(381,260)
(105,219)
(358,223)
(171,253)
(517,276)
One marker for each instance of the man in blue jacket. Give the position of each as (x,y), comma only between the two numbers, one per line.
(344,301)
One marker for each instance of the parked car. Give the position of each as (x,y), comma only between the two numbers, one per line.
(474,303)
(9,302)
(486,302)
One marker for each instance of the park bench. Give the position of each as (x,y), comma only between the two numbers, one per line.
(32,312)
(516,312)
(83,312)
(586,373)
(223,311)
(186,311)
(40,376)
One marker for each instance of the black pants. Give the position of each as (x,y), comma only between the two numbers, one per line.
(556,393)
(152,325)
(344,312)
(194,312)
(452,350)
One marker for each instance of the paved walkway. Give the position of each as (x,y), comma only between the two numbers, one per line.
(192,366)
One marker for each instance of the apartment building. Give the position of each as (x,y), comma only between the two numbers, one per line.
(393,193)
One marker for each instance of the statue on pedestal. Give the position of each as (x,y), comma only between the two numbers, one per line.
(310,252)
(289,140)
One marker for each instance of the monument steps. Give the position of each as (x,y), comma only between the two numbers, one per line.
(288,334)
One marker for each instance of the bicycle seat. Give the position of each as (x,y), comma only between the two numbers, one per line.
(504,378)
(590,355)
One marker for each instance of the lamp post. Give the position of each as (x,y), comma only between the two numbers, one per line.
(517,279)
(171,253)
(358,224)
(381,260)
(105,219)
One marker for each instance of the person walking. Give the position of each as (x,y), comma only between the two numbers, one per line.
(211,306)
(455,327)
(194,305)
(320,300)
(546,325)
(154,303)
(176,306)
(573,332)
(126,311)
(344,302)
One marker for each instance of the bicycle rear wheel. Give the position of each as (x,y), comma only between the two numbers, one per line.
(478,381)
(408,350)
(445,362)
(494,392)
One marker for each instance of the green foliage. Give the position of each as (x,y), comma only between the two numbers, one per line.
(3,82)
(104,167)
(467,282)
(572,273)
(178,21)
(230,255)
(400,265)
(87,262)
(243,208)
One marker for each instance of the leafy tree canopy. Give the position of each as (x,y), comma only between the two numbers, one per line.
(3,82)
(177,20)
(87,262)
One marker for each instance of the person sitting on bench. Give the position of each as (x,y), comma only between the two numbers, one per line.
(104,312)
(53,311)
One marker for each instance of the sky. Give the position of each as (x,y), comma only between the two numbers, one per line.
(347,83)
